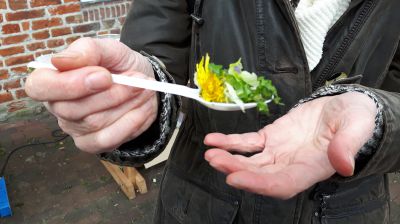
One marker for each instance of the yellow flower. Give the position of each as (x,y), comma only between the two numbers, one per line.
(211,87)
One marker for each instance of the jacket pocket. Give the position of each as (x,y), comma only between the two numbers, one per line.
(183,202)
(372,211)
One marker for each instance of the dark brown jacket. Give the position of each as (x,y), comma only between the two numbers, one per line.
(265,35)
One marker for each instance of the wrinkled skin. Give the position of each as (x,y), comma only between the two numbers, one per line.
(308,145)
(88,106)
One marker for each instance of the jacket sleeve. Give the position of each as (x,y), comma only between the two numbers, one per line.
(162,29)
(387,156)
(381,154)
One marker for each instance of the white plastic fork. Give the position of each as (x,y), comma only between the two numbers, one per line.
(161,87)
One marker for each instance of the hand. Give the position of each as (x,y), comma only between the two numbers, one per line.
(305,146)
(98,114)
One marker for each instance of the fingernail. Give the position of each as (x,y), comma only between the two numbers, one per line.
(208,155)
(233,182)
(67,54)
(98,80)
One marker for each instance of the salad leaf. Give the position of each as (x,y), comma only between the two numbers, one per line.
(237,85)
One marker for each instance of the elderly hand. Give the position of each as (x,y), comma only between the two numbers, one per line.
(98,114)
(305,146)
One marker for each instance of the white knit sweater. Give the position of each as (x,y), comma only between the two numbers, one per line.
(315,18)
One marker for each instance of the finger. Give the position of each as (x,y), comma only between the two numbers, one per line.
(83,52)
(50,85)
(97,121)
(352,134)
(225,162)
(248,142)
(128,127)
(112,97)
(284,184)
(258,160)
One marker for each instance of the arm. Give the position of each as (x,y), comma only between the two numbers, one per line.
(159,28)
(315,140)
(387,156)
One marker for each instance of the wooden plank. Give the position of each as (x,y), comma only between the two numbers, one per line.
(130,173)
(122,180)
(141,183)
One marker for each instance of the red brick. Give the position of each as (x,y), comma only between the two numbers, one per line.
(60,32)
(1,64)
(91,15)
(97,14)
(3,4)
(74,19)
(13,84)
(67,1)
(108,12)
(115,31)
(16,106)
(45,52)
(15,39)
(19,60)
(20,69)
(25,25)
(85,16)
(72,39)
(64,9)
(1,18)
(86,28)
(102,13)
(11,28)
(55,43)
(11,51)
(36,46)
(122,20)
(123,9)
(113,11)
(5,97)
(38,3)
(23,15)
(20,93)
(4,74)
(102,33)
(118,10)
(17,4)
(41,35)
(45,23)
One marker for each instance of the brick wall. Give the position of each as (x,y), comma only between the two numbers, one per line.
(30,28)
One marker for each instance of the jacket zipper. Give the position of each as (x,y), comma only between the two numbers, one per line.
(355,29)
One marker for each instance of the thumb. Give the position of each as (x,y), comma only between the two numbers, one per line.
(340,155)
(351,135)
(107,53)
(79,54)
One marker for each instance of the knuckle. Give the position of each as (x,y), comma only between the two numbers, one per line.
(104,142)
(62,110)
(117,95)
(81,145)
(93,122)
(62,124)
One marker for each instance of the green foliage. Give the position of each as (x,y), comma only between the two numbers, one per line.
(248,86)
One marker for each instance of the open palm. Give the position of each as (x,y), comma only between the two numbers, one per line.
(305,146)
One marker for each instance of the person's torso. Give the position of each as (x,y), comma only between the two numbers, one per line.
(264,34)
